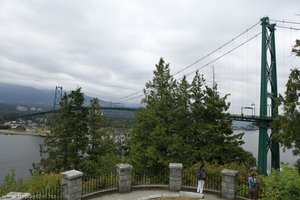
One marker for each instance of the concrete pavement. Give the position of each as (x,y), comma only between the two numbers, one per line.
(150,194)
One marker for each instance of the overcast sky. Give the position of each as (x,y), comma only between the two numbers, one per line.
(110,47)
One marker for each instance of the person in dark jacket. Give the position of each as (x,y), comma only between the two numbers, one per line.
(201,176)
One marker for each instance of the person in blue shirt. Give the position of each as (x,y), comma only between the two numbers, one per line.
(253,186)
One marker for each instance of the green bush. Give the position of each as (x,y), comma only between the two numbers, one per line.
(32,184)
(11,184)
(284,184)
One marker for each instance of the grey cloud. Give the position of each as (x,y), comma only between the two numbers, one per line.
(110,48)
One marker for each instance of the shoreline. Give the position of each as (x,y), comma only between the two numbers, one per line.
(12,132)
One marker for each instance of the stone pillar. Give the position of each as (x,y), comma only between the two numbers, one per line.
(71,182)
(229,183)
(175,176)
(124,173)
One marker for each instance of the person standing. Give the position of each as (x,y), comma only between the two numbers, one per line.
(201,176)
(253,186)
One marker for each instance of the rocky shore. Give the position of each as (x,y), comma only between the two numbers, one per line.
(13,132)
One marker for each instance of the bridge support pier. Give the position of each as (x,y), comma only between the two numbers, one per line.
(268,81)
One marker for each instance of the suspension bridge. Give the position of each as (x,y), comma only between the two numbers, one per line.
(268,93)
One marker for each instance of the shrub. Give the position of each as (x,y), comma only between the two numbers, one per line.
(11,184)
(284,184)
(32,184)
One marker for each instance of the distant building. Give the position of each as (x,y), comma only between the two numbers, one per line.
(21,108)
(12,124)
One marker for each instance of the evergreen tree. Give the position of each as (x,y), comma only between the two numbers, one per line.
(153,141)
(197,114)
(78,139)
(183,120)
(287,126)
(66,144)
(102,154)
(182,123)
(214,138)
(296,48)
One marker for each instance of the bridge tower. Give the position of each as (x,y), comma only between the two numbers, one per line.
(268,95)
(57,97)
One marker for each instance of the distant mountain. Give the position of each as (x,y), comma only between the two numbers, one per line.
(25,95)
(29,96)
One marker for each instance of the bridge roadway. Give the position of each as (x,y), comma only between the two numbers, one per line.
(234,117)
(54,111)
(151,194)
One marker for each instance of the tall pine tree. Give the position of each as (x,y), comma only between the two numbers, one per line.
(102,151)
(78,138)
(286,126)
(184,123)
(66,144)
(153,141)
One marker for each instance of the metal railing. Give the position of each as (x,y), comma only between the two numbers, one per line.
(99,183)
(52,193)
(242,188)
(150,178)
(213,181)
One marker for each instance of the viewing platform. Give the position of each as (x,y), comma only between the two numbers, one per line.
(126,184)
(152,194)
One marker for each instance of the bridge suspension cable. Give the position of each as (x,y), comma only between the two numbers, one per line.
(214,51)
(135,97)
(291,28)
(285,22)
(129,96)
(228,52)
(203,66)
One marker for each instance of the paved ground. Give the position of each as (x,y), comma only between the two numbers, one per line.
(147,194)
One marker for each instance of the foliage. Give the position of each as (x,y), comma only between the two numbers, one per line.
(287,126)
(296,48)
(214,140)
(32,184)
(99,182)
(182,122)
(214,168)
(284,184)
(120,122)
(10,184)
(65,146)
(153,137)
(77,139)
(8,113)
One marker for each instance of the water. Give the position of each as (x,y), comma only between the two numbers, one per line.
(251,144)
(20,151)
